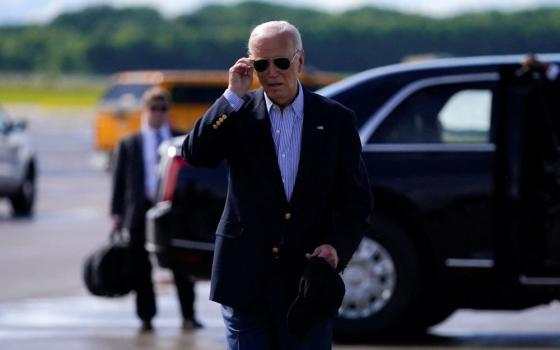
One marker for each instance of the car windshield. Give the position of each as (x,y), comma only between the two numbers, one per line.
(117,91)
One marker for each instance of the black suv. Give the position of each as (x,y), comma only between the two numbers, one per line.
(464,163)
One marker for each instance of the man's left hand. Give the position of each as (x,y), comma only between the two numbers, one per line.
(327,252)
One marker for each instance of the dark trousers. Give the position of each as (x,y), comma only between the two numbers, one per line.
(260,331)
(142,284)
(264,327)
(185,291)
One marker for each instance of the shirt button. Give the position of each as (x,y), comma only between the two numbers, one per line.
(283,155)
(287,216)
(277,131)
(275,250)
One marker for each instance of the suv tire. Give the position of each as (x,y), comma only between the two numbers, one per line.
(23,200)
(400,313)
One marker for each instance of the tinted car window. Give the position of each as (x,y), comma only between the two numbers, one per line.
(363,101)
(453,113)
(116,91)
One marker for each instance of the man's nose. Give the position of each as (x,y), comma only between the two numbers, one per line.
(271,70)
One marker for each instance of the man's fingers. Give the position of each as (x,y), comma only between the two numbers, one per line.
(315,253)
(242,67)
(331,260)
(240,76)
(327,253)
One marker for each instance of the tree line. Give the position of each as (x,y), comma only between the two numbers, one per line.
(102,39)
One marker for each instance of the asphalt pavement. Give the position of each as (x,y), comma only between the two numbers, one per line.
(83,322)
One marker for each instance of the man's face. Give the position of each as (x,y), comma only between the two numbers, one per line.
(280,85)
(157,113)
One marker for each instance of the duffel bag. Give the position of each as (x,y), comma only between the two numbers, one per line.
(106,271)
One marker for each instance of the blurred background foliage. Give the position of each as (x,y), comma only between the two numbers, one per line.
(102,39)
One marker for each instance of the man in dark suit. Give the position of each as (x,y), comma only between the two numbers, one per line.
(134,192)
(297,188)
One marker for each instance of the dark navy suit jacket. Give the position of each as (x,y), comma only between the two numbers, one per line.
(330,203)
(128,198)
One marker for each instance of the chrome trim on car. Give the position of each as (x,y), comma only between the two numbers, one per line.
(373,122)
(153,248)
(419,66)
(429,147)
(470,263)
(539,281)
(183,243)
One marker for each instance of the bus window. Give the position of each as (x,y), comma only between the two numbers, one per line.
(118,90)
(196,94)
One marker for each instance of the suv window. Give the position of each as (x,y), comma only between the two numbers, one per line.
(449,114)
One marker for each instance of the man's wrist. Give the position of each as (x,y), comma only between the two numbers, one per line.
(234,100)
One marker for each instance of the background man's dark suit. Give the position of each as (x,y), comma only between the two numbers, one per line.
(330,202)
(129,201)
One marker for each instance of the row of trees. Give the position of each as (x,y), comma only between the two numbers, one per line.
(103,39)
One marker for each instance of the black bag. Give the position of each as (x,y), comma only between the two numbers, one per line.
(106,271)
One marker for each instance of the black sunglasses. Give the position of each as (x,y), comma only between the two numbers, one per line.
(280,62)
(159,108)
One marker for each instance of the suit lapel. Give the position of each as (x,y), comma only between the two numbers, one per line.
(311,144)
(139,163)
(265,144)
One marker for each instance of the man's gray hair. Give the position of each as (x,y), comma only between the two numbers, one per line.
(273,28)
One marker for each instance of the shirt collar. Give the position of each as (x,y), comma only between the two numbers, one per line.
(164,130)
(297,104)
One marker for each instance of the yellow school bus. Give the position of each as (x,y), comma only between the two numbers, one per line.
(192,92)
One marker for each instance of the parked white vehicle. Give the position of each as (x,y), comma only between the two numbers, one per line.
(18,168)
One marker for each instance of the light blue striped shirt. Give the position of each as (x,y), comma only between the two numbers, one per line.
(286,128)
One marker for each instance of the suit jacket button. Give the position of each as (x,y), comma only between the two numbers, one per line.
(214,126)
(275,250)
(287,216)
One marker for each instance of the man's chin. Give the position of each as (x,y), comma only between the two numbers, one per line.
(274,94)
(277,99)
(273,89)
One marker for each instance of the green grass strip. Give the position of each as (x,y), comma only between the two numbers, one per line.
(78,96)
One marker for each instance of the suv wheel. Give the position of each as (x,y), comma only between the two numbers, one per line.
(23,199)
(384,286)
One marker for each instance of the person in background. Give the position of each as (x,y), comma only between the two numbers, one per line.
(298,190)
(135,184)
(550,70)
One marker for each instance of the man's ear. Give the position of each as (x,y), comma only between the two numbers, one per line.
(301,60)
